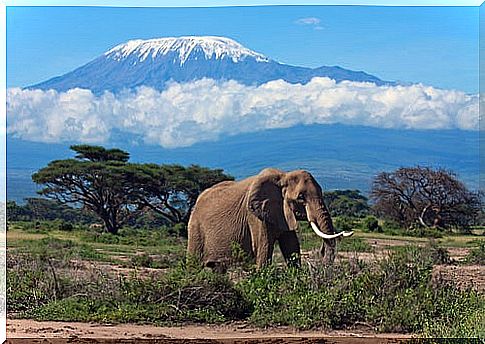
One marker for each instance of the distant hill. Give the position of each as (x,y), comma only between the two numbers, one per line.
(339,156)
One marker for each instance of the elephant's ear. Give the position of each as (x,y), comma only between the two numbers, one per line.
(266,200)
(289,216)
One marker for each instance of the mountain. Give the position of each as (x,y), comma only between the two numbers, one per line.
(155,62)
(339,156)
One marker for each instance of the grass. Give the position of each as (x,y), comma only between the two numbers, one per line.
(54,248)
(476,255)
(122,249)
(309,241)
(396,294)
(185,293)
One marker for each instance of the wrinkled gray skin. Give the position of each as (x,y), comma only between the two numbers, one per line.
(255,213)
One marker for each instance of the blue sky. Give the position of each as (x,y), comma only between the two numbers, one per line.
(437,46)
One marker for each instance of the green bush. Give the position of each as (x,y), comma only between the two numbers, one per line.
(60,249)
(344,223)
(393,228)
(65,226)
(371,224)
(394,295)
(143,260)
(354,244)
(476,255)
(186,293)
(397,294)
(423,232)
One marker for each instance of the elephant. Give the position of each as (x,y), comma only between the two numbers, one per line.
(256,213)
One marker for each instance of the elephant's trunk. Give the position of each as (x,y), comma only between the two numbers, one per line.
(321,223)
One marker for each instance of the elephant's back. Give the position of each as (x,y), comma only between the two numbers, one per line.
(223,196)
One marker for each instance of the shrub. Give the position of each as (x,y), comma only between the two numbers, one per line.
(65,226)
(354,244)
(395,295)
(143,260)
(476,255)
(423,232)
(439,255)
(186,293)
(370,223)
(344,223)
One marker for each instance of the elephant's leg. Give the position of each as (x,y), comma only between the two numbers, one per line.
(290,247)
(263,246)
(264,254)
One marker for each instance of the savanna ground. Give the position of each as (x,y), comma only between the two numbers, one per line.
(79,282)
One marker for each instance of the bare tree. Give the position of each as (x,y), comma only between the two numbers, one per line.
(421,196)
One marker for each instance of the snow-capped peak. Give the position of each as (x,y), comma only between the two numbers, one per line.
(211,46)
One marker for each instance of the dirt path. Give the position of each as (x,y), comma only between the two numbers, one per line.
(20,328)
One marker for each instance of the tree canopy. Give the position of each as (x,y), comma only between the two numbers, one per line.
(346,203)
(421,196)
(104,182)
(95,179)
(172,190)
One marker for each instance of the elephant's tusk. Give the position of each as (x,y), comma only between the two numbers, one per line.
(326,236)
(347,234)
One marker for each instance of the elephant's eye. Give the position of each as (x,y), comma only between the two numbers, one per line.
(301,196)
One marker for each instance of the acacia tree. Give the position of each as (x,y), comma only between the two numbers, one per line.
(421,196)
(172,190)
(95,179)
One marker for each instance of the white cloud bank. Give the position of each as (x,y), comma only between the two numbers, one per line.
(202,110)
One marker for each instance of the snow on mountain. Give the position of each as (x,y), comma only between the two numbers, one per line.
(211,46)
(157,62)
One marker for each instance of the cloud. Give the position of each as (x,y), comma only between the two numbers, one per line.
(310,21)
(186,113)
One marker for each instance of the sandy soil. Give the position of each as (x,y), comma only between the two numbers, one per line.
(19,328)
(465,276)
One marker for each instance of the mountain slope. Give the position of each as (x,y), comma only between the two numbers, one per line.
(339,156)
(156,62)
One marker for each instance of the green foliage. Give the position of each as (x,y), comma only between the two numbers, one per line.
(172,190)
(431,253)
(390,227)
(394,295)
(17,212)
(102,181)
(354,244)
(99,154)
(349,203)
(143,260)
(476,255)
(239,258)
(47,210)
(371,224)
(65,226)
(470,325)
(60,249)
(186,293)
(344,223)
